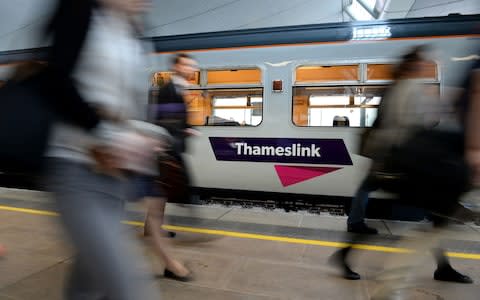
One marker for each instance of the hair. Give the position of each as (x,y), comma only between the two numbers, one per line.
(70,12)
(408,60)
(176,59)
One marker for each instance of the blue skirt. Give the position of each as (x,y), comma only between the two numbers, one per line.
(145,186)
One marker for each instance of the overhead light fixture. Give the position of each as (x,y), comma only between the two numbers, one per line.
(368,4)
(366,10)
(466,58)
(374,7)
(380,32)
(358,12)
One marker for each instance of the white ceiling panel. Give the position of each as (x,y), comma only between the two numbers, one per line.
(195,16)
(20,20)
(430,8)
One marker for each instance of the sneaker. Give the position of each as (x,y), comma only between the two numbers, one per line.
(361,228)
(448,273)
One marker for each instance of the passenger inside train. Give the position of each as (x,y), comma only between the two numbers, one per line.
(341,121)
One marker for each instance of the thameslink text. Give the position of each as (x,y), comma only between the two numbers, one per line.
(293,150)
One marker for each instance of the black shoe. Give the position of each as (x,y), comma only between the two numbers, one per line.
(169,234)
(349,274)
(169,274)
(361,228)
(448,273)
(337,260)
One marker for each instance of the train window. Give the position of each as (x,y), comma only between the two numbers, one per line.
(385,71)
(322,97)
(428,71)
(225,107)
(197,107)
(161,78)
(228,97)
(312,74)
(235,76)
(230,102)
(323,106)
(380,71)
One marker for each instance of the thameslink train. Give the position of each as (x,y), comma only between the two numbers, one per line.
(281,110)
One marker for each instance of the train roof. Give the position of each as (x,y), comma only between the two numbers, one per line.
(452,25)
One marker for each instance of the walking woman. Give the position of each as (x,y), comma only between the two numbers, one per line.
(87,170)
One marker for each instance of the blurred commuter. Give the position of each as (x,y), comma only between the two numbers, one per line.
(451,166)
(356,217)
(87,170)
(146,187)
(470,119)
(169,110)
(424,166)
(37,94)
(410,108)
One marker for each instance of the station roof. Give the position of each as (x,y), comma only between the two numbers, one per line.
(20,20)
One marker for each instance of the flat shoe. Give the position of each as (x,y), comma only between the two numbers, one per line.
(169,274)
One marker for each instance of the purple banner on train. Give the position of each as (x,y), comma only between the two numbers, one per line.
(281,150)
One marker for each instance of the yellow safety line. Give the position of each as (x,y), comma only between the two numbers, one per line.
(29,211)
(474,256)
(285,239)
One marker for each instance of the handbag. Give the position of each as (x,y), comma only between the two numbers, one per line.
(436,172)
(174,179)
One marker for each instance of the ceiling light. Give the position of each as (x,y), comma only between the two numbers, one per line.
(358,12)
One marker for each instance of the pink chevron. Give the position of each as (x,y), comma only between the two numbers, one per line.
(290,175)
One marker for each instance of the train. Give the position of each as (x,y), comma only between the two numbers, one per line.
(281,110)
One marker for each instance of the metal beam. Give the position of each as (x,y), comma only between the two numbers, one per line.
(396,9)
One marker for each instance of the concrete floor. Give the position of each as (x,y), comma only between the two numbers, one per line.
(39,257)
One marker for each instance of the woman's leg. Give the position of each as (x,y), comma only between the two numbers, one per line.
(154,220)
(159,216)
(91,207)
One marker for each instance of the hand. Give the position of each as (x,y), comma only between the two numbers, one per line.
(156,145)
(107,160)
(192,132)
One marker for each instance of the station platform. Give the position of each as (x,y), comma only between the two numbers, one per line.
(234,253)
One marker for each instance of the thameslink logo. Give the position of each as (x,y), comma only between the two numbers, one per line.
(293,150)
(281,150)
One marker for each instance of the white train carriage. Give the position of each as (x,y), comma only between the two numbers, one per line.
(281,110)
